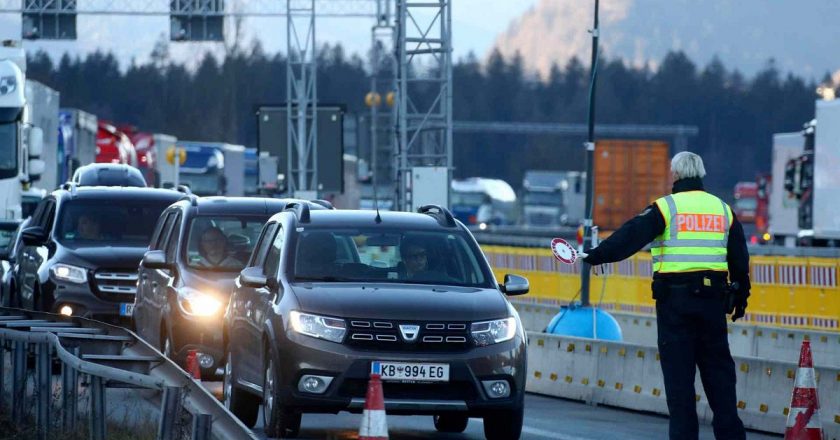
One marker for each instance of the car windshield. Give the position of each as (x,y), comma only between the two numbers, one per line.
(222,243)
(115,222)
(467,198)
(383,256)
(747,204)
(201,184)
(544,198)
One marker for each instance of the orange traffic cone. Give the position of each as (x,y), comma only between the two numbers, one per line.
(192,365)
(803,421)
(374,426)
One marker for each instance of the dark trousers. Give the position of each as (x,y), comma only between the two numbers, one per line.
(692,335)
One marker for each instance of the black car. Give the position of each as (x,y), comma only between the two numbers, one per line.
(9,234)
(330,297)
(199,246)
(83,245)
(108,174)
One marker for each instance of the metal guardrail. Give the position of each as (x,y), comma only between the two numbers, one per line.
(107,357)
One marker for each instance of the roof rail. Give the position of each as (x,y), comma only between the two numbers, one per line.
(441,214)
(69,186)
(301,210)
(184,189)
(192,198)
(324,203)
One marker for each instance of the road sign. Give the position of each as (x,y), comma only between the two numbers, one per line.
(170,156)
(563,251)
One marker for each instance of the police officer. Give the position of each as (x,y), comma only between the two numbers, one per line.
(695,242)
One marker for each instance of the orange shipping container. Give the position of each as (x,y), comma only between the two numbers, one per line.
(629,175)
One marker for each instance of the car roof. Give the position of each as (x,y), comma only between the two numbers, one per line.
(347,218)
(118,193)
(245,205)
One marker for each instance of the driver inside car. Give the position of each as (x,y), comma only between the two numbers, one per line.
(416,262)
(212,247)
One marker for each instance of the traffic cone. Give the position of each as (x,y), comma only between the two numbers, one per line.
(803,421)
(374,426)
(192,365)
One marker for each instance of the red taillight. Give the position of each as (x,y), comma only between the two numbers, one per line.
(753,240)
(472,219)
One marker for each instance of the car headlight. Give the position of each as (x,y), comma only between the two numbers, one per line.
(196,303)
(493,332)
(321,327)
(8,84)
(66,272)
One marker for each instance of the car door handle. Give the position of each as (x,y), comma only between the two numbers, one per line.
(154,284)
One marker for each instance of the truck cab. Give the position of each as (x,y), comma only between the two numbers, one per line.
(20,142)
(552,198)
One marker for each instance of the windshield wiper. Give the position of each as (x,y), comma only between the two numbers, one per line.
(327,279)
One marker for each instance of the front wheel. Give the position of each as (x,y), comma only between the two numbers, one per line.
(504,425)
(454,423)
(243,405)
(279,422)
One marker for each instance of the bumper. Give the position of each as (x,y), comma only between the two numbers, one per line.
(83,302)
(200,333)
(350,370)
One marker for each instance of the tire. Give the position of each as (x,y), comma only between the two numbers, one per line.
(243,405)
(504,425)
(279,422)
(454,423)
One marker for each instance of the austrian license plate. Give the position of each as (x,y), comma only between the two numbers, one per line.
(126,309)
(410,372)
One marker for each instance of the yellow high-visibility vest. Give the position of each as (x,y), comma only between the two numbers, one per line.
(695,236)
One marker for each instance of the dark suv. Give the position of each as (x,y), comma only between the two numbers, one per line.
(329,297)
(198,248)
(82,247)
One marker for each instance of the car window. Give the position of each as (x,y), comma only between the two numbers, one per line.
(222,242)
(272,258)
(7,236)
(161,230)
(399,256)
(49,216)
(172,239)
(262,247)
(120,222)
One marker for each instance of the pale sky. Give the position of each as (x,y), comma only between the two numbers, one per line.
(476,24)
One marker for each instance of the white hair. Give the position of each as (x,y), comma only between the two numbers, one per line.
(686,165)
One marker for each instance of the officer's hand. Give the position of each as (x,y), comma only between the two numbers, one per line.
(740,310)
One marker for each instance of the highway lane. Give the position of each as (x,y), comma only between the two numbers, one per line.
(546,418)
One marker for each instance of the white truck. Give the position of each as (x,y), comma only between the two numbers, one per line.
(553,198)
(811,179)
(21,142)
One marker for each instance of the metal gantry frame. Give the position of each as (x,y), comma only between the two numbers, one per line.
(301,97)
(249,8)
(424,84)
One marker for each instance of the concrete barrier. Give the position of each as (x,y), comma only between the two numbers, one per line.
(744,339)
(629,376)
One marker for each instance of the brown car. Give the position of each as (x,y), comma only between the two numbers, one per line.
(330,296)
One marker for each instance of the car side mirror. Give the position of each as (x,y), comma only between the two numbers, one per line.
(515,285)
(253,277)
(155,260)
(33,236)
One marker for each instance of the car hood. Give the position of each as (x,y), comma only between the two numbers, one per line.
(108,257)
(215,283)
(400,301)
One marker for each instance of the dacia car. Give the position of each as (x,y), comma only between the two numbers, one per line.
(81,250)
(329,297)
(199,246)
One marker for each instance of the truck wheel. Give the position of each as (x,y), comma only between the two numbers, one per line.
(455,423)
(279,421)
(243,405)
(504,425)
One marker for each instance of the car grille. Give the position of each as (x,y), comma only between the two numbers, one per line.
(386,335)
(116,285)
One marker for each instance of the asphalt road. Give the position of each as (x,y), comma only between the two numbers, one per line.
(545,418)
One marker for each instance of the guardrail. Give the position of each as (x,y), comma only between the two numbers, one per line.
(744,339)
(104,356)
(790,292)
(629,376)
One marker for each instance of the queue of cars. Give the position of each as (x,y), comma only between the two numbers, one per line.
(293,303)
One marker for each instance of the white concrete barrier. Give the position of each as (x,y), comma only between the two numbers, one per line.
(744,339)
(629,376)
